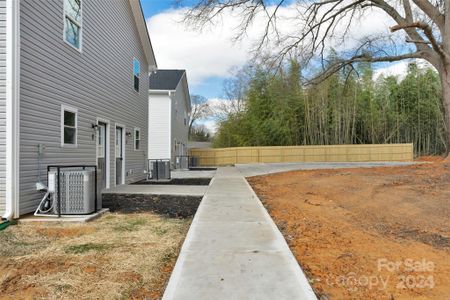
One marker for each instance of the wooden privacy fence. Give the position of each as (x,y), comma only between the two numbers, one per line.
(278,154)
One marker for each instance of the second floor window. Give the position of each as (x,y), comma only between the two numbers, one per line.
(136,74)
(72,22)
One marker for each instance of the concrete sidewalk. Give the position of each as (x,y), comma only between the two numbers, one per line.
(233,249)
(249,170)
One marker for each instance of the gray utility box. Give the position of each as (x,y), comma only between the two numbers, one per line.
(159,169)
(77,191)
(193,161)
(182,162)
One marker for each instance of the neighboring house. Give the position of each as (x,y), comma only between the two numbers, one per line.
(199,145)
(73,90)
(168,111)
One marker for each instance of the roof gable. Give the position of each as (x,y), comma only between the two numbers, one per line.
(165,80)
(138,14)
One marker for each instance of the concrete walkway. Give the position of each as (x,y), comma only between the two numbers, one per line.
(233,250)
(249,170)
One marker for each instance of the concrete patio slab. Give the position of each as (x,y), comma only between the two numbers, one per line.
(192,174)
(179,190)
(64,218)
(233,249)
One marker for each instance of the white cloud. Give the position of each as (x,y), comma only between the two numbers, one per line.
(206,54)
(399,69)
(213,52)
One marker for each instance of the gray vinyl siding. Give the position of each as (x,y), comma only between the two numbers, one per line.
(98,81)
(179,131)
(2,106)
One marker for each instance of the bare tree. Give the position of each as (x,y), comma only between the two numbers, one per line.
(234,89)
(199,133)
(424,23)
(200,110)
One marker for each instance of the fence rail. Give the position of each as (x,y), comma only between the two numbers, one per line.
(331,153)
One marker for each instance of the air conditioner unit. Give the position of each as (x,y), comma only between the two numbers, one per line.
(159,169)
(77,191)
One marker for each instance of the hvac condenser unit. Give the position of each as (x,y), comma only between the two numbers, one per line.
(159,169)
(77,191)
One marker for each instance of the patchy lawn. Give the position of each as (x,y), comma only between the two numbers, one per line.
(118,256)
(378,233)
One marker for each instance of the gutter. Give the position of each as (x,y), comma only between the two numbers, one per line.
(161,92)
(12,107)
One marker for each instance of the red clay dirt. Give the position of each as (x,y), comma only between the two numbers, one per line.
(378,233)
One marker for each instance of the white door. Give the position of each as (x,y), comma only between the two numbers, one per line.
(102,153)
(120,157)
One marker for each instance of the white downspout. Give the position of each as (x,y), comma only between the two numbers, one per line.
(12,106)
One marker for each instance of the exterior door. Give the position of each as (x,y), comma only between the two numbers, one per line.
(119,156)
(102,153)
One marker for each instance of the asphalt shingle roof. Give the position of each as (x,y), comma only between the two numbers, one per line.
(165,79)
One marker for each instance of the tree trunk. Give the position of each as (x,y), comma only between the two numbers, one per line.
(445,81)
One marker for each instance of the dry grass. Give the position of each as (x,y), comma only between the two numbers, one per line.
(116,257)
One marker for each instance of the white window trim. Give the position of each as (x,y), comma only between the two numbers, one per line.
(140,138)
(139,74)
(79,24)
(75,111)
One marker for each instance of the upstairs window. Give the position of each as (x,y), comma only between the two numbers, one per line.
(72,23)
(69,126)
(136,74)
(137,139)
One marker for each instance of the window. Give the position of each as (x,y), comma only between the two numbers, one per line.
(101,141)
(136,74)
(137,138)
(72,23)
(69,124)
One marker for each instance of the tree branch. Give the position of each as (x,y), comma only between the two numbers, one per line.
(432,12)
(339,65)
(429,34)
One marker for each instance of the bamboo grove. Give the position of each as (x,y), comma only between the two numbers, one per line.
(346,108)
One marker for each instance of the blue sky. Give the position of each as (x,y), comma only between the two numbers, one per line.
(209,86)
(209,56)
